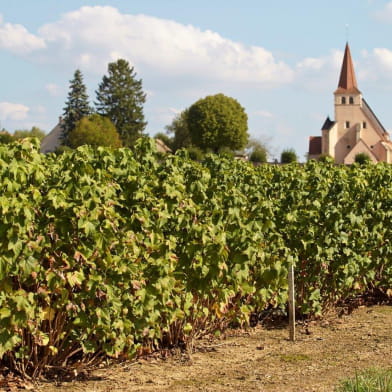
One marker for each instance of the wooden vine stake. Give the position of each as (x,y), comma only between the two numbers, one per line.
(291,303)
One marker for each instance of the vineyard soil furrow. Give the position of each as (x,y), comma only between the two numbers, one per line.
(259,359)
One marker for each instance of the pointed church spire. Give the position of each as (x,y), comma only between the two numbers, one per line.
(347,80)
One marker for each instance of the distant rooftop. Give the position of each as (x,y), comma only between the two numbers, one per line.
(315,145)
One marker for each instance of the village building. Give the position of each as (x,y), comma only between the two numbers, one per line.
(355,129)
(52,140)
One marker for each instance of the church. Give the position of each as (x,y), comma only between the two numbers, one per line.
(356,129)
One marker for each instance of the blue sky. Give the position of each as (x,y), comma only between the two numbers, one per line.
(279,59)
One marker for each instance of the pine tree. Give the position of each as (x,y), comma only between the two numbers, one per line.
(76,107)
(120,97)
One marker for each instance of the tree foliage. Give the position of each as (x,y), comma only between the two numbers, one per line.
(33,132)
(94,130)
(362,158)
(5,137)
(258,155)
(326,158)
(76,107)
(195,153)
(258,151)
(120,97)
(288,156)
(180,131)
(104,250)
(218,121)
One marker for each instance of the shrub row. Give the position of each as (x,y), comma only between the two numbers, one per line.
(105,252)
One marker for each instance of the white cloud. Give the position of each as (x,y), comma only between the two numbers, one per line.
(90,37)
(13,111)
(383,57)
(18,116)
(312,63)
(53,89)
(319,73)
(17,39)
(385,14)
(377,66)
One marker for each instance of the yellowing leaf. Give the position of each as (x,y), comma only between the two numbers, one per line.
(49,313)
(4,313)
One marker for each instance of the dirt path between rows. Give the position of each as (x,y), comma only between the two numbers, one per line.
(259,359)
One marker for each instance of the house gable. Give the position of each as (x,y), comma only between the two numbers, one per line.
(52,140)
(360,147)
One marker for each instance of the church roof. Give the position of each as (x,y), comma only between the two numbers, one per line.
(377,123)
(347,80)
(328,124)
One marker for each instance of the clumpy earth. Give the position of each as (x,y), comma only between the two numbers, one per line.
(258,359)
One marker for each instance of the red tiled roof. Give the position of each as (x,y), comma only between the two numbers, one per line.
(347,80)
(315,145)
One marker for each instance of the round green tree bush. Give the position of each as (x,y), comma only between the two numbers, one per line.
(218,121)
(362,158)
(288,156)
(95,130)
(258,155)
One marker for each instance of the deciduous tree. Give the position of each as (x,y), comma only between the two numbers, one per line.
(33,132)
(180,130)
(94,130)
(218,121)
(258,151)
(288,156)
(5,137)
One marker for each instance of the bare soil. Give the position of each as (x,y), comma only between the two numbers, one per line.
(259,359)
